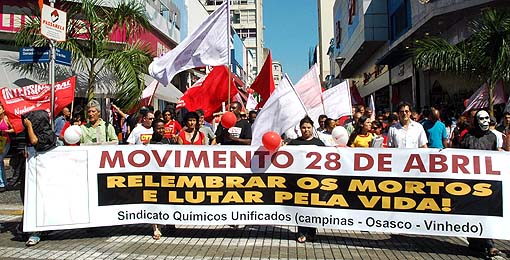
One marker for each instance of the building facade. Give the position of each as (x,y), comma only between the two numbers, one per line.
(247,20)
(325,16)
(372,41)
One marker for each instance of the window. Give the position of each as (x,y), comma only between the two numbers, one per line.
(247,33)
(399,18)
(248,16)
(239,2)
(214,2)
(236,17)
(164,11)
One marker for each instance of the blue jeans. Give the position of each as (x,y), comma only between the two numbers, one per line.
(3,179)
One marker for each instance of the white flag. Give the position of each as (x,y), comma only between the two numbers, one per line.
(337,102)
(251,103)
(372,107)
(283,110)
(309,89)
(167,93)
(206,46)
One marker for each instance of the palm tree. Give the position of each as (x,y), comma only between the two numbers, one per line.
(486,54)
(89,27)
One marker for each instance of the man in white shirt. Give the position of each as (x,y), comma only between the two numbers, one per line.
(406,133)
(142,133)
(499,135)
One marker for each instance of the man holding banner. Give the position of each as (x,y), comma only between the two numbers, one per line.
(97,131)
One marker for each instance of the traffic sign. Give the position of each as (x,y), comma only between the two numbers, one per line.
(42,55)
(53,23)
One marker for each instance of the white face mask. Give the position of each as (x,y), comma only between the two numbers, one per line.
(483,119)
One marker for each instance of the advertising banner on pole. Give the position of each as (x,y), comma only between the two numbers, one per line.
(449,192)
(53,23)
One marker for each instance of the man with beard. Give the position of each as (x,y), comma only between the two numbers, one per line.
(481,138)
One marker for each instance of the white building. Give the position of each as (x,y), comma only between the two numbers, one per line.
(325,16)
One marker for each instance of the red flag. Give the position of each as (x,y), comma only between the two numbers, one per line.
(209,95)
(356,97)
(18,101)
(264,82)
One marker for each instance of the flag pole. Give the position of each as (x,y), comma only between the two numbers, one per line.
(153,93)
(320,90)
(228,54)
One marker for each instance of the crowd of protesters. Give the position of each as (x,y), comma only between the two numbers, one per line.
(404,128)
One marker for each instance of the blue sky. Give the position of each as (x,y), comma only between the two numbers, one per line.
(290,31)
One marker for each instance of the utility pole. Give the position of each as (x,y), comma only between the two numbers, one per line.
(52,77)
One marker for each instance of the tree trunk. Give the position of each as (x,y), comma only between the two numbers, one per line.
(91,82)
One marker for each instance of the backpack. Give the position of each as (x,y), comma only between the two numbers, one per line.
(42,129)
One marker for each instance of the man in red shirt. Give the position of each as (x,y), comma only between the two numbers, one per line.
(172,127)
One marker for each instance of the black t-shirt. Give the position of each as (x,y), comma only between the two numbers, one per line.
(301,141)
(242,129)
(476,139)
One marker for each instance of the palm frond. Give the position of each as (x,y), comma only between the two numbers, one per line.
(129,65)
(438,54)
(491,39)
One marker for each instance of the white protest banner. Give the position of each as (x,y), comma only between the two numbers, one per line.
(450,192)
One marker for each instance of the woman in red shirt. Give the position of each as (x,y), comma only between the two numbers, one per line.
(190,134)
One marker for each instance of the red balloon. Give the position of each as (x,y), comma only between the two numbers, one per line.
(228,120)
(271,140)
(250,91)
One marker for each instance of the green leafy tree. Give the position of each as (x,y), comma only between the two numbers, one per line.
(89,26)
(486,54)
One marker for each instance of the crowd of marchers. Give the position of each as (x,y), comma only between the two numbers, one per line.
(403,128)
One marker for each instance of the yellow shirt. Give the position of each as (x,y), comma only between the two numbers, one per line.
(362,141)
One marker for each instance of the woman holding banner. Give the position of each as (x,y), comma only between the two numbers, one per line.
(362,135)
(306,127)
(5,144)
(191,134)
